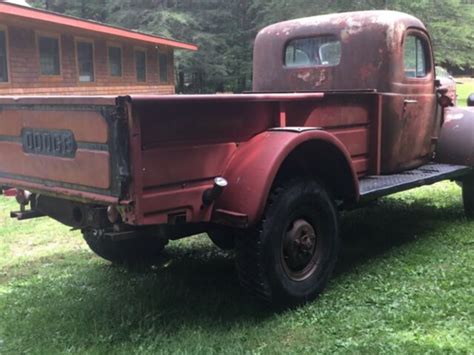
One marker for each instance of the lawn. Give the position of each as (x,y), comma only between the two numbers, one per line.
(404,284)
(464,89)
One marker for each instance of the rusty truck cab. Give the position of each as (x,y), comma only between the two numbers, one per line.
(385,52)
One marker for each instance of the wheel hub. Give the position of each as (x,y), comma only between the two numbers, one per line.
(299,248)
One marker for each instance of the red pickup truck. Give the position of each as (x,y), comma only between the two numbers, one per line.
(345,109)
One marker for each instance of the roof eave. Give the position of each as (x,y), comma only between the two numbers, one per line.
(91,26)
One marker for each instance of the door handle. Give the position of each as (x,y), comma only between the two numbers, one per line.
(410,102)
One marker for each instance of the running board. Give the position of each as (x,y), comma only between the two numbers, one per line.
(372,187)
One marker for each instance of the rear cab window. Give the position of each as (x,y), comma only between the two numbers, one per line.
(313,52)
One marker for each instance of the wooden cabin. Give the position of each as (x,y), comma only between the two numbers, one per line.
(45,53)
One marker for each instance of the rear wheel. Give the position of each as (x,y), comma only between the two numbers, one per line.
(288,258)
(142,248)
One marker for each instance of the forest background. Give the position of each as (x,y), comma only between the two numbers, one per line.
(224,30)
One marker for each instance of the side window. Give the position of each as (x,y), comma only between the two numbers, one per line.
(49,55)
(163,58)
(3,57)
(85,61)
(115,61)
(314,51)
(140,65)
(415,57)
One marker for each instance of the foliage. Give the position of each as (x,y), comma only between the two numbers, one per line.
(224,29)
(404,284)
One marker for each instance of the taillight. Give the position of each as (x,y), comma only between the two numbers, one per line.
(23,197)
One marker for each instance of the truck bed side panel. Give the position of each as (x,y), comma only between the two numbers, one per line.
(352,118)
(195,140)
(180,144)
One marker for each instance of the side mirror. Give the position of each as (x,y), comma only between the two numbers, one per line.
(442,90)
(443,99)
(470,100)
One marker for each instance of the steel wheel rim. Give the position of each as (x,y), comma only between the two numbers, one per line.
(300,250)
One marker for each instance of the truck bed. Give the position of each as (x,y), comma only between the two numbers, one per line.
(158,154)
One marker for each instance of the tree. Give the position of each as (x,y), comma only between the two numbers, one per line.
(225,30)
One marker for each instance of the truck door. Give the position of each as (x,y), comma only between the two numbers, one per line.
(419,100)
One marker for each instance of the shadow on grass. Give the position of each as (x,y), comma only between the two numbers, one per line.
(387,224)
(194,286)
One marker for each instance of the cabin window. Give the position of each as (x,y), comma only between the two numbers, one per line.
(416,60)
(49,55)
(85,61)
(3,57)
(163,68)
(115,61)
(140,65)
(313,51)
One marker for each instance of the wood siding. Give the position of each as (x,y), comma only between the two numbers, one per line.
(24,68)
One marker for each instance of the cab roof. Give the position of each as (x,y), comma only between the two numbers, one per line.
(352,22)
(371,51)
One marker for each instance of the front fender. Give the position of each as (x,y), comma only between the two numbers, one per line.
(456,139)
(253,169)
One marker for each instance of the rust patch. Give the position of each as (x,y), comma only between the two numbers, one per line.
(318,78)
(356,140)
(322,78)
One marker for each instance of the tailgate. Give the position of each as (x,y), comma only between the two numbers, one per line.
(68,146)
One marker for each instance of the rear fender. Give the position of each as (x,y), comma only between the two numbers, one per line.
(456,139)
(286,153)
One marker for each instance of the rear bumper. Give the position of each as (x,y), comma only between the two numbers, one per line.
(67,193)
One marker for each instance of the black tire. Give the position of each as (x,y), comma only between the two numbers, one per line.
(222,237)
(267,264)
(142,249)
(468,197)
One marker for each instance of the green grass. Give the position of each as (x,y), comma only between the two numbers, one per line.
(464,89)
(404,284)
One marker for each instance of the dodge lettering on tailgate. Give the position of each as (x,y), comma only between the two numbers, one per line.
(59,143)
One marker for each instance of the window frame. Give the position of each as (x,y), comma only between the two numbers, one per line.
(115,45)
(78,40)
(426,45)
(312,66)
(56,36)
(7,55)
(143,50)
